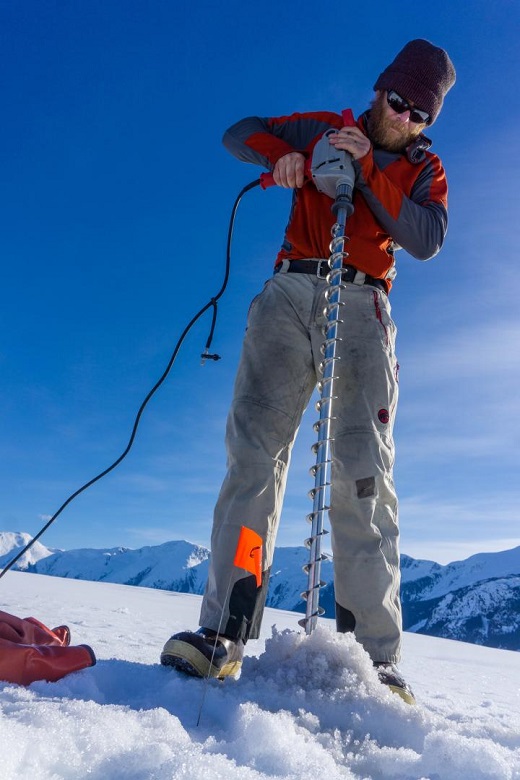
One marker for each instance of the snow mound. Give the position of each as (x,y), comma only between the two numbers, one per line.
(315,706)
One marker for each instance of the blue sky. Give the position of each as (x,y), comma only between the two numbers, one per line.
(115,194)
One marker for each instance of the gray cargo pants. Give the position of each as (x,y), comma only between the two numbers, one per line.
(277,374)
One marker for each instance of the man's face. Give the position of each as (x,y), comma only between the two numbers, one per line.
(388,129)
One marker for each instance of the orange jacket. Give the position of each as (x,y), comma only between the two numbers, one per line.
(400,200)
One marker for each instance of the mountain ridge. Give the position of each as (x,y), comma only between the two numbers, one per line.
(474,600)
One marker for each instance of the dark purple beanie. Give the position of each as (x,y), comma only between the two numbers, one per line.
(421,73)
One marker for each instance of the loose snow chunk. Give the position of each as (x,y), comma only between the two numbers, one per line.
(324,664)
(456,757)
(330,678)
(278,745)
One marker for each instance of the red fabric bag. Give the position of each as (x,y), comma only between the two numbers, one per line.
(30,651)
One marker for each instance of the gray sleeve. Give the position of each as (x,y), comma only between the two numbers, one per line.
(235,137)
(263,140)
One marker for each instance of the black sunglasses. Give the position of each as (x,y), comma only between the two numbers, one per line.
(400,105)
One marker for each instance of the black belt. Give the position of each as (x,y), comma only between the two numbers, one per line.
(321,268)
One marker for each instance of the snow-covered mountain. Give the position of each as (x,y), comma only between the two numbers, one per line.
(486,613)
(178,566)
(476,600)
(12,542)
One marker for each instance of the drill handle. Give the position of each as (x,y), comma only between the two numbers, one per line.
(267,179)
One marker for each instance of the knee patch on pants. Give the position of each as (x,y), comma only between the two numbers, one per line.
(365,488)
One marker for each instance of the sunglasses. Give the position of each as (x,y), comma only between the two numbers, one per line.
(400,105)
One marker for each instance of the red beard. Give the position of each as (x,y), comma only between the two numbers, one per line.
(389,133)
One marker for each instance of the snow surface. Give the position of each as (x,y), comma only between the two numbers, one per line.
(304,707)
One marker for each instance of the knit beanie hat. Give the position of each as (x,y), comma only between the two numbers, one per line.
(421,73)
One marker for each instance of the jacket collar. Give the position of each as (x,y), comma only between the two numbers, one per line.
(416,152)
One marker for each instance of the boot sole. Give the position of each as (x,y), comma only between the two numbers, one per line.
(188,659)
(405,695)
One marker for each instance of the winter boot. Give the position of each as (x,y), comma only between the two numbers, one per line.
(389,675)
(203,654)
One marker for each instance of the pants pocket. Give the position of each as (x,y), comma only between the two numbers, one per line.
(384,319)
(255,300)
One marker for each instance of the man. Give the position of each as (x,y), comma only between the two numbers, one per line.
(399,201)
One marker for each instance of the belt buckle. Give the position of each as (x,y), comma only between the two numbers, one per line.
(318,269)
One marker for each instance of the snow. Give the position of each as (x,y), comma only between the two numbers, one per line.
(304,707)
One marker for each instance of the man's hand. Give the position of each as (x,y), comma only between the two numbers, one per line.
(289,170)
(352,140)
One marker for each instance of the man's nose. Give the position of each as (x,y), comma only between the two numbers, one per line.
(404,117)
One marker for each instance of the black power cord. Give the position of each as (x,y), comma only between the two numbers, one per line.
(205,356)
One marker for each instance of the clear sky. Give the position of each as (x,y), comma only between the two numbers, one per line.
(115,194)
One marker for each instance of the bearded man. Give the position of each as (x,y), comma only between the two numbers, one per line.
(400,200)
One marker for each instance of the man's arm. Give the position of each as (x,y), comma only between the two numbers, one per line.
(417,223)
(263,141)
